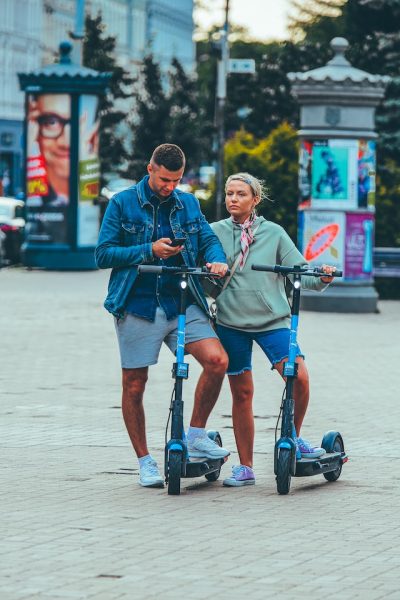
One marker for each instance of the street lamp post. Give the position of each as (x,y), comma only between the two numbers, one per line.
(79,32)
(222,71)
(225,65)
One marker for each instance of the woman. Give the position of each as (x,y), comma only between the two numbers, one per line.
(254,307)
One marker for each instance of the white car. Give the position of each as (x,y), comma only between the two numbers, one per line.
(12,225)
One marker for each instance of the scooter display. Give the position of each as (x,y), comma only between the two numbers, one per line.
(286,464)
(177,464)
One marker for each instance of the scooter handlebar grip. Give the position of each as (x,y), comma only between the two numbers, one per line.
(321,273)
(269,268)
(205,271)
(150,269)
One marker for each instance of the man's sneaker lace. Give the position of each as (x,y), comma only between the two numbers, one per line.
(306,450)
(241,475)
(150,475)
(204,447)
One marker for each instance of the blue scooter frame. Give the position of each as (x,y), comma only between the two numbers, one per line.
(177,463)
(286,463)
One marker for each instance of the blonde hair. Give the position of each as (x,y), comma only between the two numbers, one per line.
(257,185)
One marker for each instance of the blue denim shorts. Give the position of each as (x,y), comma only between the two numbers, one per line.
(238,345)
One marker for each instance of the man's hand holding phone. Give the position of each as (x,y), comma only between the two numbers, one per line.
(166,247)
(178,242)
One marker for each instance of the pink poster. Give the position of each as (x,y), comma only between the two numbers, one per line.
(359,244)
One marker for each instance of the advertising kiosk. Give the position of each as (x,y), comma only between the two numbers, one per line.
(337,167)
(62,169)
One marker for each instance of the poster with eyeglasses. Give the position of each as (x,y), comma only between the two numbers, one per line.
(89,172)
(48,167)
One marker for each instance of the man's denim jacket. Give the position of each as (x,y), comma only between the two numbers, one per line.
(125,240)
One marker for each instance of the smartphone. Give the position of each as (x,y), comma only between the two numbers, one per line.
(178,242)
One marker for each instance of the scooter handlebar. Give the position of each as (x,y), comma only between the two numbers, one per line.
(158,269)
(312,272)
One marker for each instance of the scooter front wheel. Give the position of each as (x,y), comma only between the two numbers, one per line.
(283,476)
(174,472)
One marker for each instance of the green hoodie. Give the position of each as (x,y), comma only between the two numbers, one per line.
(256,300)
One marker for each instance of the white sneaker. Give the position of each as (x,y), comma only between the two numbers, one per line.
(204,447)
(150,475)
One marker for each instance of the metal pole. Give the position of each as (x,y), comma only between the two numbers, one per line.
(220,112)
(79,33)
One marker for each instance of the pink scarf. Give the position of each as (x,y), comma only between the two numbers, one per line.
(246,237)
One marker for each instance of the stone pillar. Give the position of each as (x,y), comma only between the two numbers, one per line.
(337,178)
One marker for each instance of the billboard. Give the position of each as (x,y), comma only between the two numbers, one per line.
(48,168)
(359,246)
(366,174)
(343,240)
(322,237)
(334,174)
(88,172)
(305,162)
(337,174)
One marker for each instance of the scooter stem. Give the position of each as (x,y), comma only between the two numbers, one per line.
(180,369)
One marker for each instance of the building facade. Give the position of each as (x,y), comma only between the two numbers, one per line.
(30,33)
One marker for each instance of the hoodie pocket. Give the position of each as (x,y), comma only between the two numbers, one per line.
(249,309)
(242,309)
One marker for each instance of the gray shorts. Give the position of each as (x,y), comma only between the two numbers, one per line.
(140,340)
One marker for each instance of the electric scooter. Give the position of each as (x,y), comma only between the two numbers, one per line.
(286,464)
(177,463)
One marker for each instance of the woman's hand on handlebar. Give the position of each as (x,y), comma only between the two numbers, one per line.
(328,269)
(217,268)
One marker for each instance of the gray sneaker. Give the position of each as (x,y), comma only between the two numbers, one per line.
(204,447)
(150,475)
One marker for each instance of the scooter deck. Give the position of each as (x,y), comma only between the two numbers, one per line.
(316,466)
(200,467)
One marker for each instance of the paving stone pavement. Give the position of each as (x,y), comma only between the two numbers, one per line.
(75,524)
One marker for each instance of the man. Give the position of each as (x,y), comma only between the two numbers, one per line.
(138,227)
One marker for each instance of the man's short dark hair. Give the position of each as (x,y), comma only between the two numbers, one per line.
(169,156)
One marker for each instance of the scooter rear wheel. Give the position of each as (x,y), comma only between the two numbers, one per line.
(174,473)
(338,446)
(283,476)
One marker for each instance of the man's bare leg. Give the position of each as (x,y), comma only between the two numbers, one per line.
(133,386)
(214,360)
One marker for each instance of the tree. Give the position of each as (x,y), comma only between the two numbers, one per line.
(273,159)
(99,54)
(171,114)
(317,20)
(187,125)
(150,117)
(258,102)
